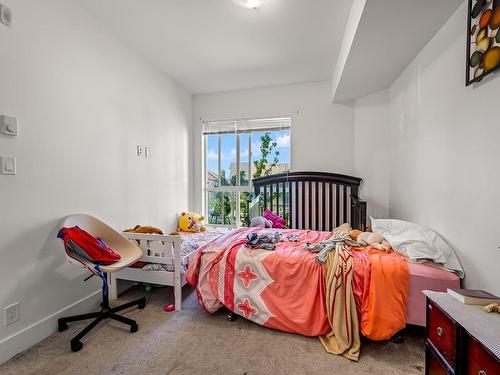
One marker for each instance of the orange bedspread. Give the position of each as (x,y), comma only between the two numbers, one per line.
(380,286)
(285,289)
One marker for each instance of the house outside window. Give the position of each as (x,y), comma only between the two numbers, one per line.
(235,152)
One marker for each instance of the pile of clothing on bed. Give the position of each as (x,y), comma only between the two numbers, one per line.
(335,285)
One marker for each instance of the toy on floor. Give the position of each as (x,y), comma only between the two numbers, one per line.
(144,229)
(372,239)
(494,307)
(169,308)
(149,288)
(191,222)
(261,222)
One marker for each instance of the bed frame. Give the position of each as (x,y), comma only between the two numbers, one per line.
(313,200)
(161,249)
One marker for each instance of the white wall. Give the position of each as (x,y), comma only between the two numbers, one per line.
(322,133)
(371,156)
(84,102)
(443,151)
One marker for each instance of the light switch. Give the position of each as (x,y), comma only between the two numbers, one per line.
(8,125)
(7,165)
(146,152)
(5,15)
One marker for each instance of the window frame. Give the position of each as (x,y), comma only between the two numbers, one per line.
(238,188)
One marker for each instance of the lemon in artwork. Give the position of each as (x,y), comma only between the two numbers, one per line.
(483,44)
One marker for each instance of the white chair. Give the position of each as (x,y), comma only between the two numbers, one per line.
(129,253)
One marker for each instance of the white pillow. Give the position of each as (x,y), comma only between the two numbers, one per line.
(417,243)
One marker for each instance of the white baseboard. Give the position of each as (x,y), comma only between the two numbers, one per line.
(36,332)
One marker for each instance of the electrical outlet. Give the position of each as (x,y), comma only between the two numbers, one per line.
(7,165)
(140,150)
(8,125)
(11,313)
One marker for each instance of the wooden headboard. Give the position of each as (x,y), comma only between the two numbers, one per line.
(313,200)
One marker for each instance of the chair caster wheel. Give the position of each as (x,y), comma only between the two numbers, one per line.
(398,339)
(62,325)
(76,346)
(134,328)
(142,304)
(231,316)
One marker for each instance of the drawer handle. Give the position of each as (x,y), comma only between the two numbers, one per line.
(440,333)
(482,372)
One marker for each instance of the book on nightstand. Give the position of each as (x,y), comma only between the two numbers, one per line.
(473,297)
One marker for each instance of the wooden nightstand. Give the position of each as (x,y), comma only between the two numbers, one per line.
(460,339)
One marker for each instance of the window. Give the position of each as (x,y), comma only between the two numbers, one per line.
(235,153)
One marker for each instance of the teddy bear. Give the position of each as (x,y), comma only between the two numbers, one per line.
(261,222)
(372,239)
(144,229)
(493,307)
(191,222)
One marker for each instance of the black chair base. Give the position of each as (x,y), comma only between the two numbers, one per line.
(106,312)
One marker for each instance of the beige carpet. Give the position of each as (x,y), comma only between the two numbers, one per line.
(189,342)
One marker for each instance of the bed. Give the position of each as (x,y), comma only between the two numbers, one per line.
(323,201)
(254,284)
(425,276)
(165,260)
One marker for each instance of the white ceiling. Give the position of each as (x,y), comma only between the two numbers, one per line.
(213,45)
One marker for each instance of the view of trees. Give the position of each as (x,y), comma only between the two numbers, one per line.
(269,159)
(262,168)
(225,182)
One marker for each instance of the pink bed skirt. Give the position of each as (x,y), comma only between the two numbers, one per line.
(425,277)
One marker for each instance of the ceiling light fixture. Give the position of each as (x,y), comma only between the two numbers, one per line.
(249,4)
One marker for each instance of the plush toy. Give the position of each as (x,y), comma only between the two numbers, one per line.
(191,222)
(261,222)
(372,239)
(144,229)
(494,307)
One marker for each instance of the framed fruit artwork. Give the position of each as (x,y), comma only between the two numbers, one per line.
(483,39)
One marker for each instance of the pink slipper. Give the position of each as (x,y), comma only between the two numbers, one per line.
(168,308)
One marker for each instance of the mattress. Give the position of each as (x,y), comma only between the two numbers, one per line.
(424,276)
(286,289)
(190,242)
(194,241)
